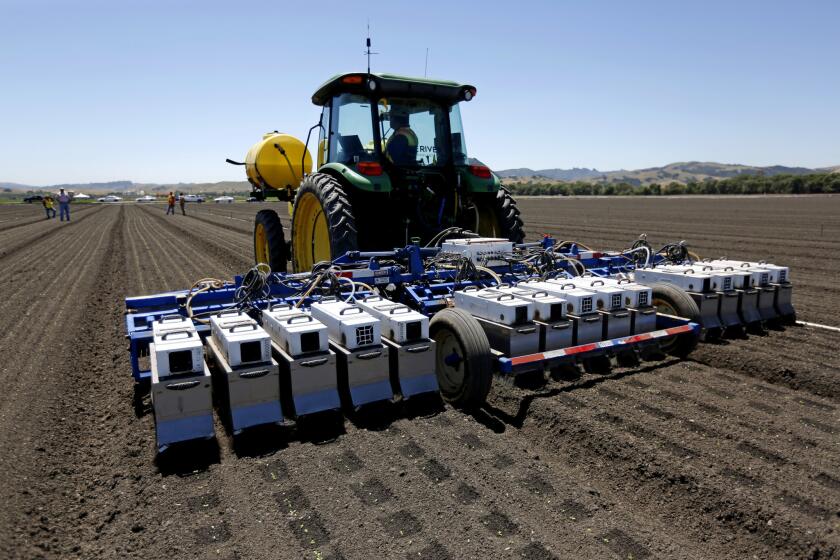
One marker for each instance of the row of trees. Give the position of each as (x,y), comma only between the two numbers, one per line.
(743,184)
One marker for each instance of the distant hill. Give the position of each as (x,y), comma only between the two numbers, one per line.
(574,174)
(681,172)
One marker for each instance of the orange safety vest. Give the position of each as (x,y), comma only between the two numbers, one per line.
(171,200)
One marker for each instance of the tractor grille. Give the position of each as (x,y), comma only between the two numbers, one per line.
(364,335)
(616,301)
(643,299)
(586,305)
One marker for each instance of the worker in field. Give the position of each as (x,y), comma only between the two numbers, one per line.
(183,202)
(49,206)
(64,205)
(170,204)
(401,148)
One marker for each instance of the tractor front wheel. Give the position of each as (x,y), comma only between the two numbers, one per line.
(323,225)
(269,241)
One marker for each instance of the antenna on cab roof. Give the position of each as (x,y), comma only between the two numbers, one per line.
(368,52)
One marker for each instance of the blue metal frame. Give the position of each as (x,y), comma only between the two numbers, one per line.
(423,289)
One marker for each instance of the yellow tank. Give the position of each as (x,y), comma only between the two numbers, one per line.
(275,162)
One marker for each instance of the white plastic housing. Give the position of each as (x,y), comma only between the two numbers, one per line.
(243,343)
(400,323)
(765,273)
(172,323)
(225,318)
(547,308)
(578,300)
(688,281)
(610,297)
(640,295)
(721,280)
(347,324)
(178,352)
(495,306)
(296,332)
(487,251)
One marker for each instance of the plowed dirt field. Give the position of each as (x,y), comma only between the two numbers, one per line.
(734,453)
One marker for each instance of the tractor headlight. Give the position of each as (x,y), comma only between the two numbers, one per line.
(467,95)
(372,85)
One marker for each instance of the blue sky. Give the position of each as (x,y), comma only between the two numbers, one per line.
(163,91)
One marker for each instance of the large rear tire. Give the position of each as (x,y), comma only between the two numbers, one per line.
(463,362)
(498,216)
(671,300)
(270,241)
(323,225)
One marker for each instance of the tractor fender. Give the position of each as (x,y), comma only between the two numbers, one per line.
(474,184)
(345,173)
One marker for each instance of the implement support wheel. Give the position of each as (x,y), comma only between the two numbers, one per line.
(463,363)
(323,226)
(269,241)
(671,300)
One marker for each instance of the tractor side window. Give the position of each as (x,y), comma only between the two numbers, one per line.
(323,146)
(413,131)
(459,144)
(351,130)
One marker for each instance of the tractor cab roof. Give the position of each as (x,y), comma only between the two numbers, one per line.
(391,85)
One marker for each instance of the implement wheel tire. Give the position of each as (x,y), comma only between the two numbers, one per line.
(671,300)
(270,241)
(498,216)
(323,225)
(463,363)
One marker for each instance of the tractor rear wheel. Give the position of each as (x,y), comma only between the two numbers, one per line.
(269,241)
(671,300)
(463,362)
(497,216)
(323,225)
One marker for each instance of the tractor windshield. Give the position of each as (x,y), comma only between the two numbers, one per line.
(414,131)
(351,130)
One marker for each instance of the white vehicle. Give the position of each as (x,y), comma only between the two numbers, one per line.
(109,198)
(147,198)
(223,199)
(193,198)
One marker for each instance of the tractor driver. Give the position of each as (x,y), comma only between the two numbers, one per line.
(401,148)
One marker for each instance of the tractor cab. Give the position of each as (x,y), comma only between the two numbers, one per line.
(391,169)
(399,123)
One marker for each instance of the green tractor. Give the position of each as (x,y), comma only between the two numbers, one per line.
(392,169)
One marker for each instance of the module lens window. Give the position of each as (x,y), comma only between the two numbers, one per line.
(556,311)
(413,330)
(586,305)
(310,342)
(180,361)
(616,301)
(521,314)
(643,299)
(251,351)
(364,335)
